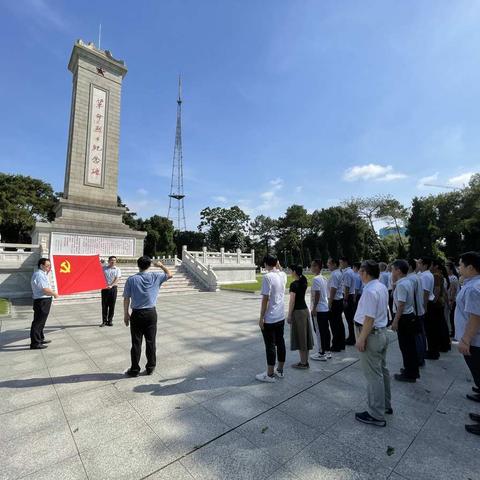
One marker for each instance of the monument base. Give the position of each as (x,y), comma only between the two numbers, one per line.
(88,229)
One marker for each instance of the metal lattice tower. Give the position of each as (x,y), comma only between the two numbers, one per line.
(176,210)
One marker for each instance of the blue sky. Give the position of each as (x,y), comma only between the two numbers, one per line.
(307,102)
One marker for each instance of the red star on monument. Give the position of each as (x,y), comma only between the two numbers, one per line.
(100,71)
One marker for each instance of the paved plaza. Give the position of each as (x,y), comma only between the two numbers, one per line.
(68,412)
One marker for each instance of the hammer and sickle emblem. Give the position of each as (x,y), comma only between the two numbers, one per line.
(65,267)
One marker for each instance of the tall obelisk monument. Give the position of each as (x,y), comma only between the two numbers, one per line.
(88,219)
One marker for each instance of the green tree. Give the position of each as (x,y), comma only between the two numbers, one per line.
(422,227)
(394,213)
(193,240)
(224,227)
(264,229)
(471,215)
(129,218)
(159,239)
(23,201)
(292,229)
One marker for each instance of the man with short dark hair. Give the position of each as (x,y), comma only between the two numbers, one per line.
(358,283)
(272,319)
(109,295)
(420,339)
(335,305)
(348,280)
(428,282)
(42,301)
(467,325)
(404,321)
(141,292)
(371,322)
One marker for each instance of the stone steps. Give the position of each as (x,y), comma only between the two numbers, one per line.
(181,283)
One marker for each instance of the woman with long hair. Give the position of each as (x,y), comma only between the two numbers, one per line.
(441,287)
(301,338)
(452,294)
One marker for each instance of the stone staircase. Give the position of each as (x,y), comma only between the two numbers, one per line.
(181,283)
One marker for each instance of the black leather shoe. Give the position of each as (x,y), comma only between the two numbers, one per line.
(402,371)
(389,411)
(131,373)
(476,389)
(475,429)
(402,378)
(432,356)
(475,398)
(103,325)
(149,371)
(38,347)
(475,417)
(109,324)
(46,341)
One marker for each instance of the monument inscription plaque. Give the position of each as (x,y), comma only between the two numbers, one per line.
(71,244)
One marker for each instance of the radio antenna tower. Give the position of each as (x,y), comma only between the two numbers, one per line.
(176,210)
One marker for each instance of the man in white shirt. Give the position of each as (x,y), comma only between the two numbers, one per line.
(424,265)
(404,321)
(358,283)
(371,321)
(420,339)
(272,319)
(335,305)
(109,295)
(348,279)
(320,311)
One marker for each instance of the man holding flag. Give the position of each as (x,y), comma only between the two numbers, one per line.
(42,301)
(140,292)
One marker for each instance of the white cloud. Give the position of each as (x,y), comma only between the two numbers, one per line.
(372,171)
(41,12)
(424,181)
(299,189)
(270,198)
(220,199)
(460,180)
(142,191)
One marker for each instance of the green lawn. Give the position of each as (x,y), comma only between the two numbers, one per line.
(3,306)
(255,287)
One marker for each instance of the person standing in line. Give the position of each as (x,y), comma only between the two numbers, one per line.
(335,306)
(320,311)
(372,343)
(384,276)
(272,319)
(467,325)
(301,338)
(439,269)
(424,265)
(420,339)
(109,295)
(140,293)
(452,294)
(348,280)
(42,301)
(404,321)
(358,283)
(391,288)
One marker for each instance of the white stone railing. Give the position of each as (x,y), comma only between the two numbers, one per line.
(19,247)
(223,258)
(204,274)
(170,261)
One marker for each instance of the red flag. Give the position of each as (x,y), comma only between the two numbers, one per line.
(78,273)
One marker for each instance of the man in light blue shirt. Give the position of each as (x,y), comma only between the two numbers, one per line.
(335,305)
(467,325)
(109,295)
(348,280)
(140,293)
(42,301)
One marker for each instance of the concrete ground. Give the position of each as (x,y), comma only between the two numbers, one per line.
(67,412)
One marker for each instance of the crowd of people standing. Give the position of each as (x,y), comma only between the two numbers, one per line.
(426,301)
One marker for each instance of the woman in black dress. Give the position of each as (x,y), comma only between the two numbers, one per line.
(301,338)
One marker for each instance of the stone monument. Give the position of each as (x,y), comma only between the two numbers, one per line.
(88,220)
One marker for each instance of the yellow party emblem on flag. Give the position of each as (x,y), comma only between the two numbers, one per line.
(65,267)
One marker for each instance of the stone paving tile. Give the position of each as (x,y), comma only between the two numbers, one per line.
(127,457)
(283,474)
(186,430)
(23,455)
(327,459)
(175,471)
(277,435)
(70,469)
(43,416)
(232,457)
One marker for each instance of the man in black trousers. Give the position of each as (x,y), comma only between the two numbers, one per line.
(109,295)
(42,301)
(140,293)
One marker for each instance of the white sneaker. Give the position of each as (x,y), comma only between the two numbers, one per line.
(279,374)
(319,357)
(264,377)
(328,355)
